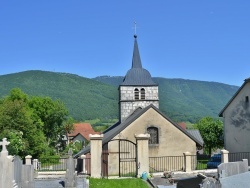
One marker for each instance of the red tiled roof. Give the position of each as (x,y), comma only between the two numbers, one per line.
(183,125)
(84,129)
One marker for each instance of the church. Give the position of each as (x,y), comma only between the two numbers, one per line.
(139,114)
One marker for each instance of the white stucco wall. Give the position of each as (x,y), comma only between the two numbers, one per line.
(236,119)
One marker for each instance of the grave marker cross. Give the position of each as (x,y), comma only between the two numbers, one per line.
(70,152)
(4,143)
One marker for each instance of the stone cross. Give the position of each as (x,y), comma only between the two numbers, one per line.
(4,143)
(70,152)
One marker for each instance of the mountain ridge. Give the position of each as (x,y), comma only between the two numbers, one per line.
(91,98)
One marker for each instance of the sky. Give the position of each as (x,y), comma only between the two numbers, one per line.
(207,40)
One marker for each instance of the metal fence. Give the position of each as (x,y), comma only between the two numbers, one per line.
(199,162)
(52,164)
(166,163)
(232,157)
(88,165)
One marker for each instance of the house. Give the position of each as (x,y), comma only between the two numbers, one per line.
(81,133)
(236,120)
(139,113)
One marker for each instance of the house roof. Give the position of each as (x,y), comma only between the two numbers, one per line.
(183,125)
(82,128)
(116,129)
(137,76)
(229,102)
(196,133)
(77,135)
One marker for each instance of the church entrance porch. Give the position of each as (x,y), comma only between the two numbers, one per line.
(119,157)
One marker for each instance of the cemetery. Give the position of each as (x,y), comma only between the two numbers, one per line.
(15,174)
(144,144)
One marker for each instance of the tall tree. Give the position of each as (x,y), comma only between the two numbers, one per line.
(212,132)
(18,122)
(33,124)
(53,114)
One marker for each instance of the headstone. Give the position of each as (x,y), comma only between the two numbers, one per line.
(236,181)
(232,168)
(4,151)
(193,182)
(13,174)
(210,182)
(27,176)
(70,178)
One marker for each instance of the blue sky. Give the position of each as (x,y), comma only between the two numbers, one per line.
(206,40)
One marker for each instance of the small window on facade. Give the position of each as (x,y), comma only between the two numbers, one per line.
(142,93)
(154,136)
(136,94)
(247,99)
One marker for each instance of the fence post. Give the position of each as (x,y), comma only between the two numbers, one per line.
(83,157)
(224,156)
(28,160)
(142,153)
(96,155)
(187,162)
(35,164)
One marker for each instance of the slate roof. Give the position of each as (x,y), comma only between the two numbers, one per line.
(196,133)
(84,129)
(117,128)
(137,76)
(229,102)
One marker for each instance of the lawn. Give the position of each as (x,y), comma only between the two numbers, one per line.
(117,183)
(201,165)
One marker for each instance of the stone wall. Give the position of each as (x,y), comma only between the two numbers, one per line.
(128,104)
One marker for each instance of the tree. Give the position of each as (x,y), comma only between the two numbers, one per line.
(33,125)
(18,123)
(212,132)
(53,114)
(69,125)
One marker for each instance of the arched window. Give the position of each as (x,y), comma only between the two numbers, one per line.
(136,94)
(142,93)
(154,135)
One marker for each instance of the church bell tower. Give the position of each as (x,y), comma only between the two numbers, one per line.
(137,89)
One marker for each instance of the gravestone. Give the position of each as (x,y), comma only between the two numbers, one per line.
(4,151)
(201,181)
(232,168)
(70,178)
(236,181)
(13,174)
(210,182)
(193,182)
(27,176)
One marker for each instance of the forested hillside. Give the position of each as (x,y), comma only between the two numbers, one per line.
(83,97)
(181,100)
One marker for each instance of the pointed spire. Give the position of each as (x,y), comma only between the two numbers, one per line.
(136,61)
(137,76)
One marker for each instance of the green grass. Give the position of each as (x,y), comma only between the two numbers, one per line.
(118,183)
(201,165)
